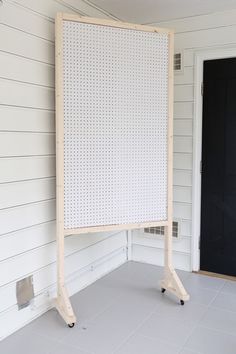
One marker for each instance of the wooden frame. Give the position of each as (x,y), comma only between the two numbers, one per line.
(171,281)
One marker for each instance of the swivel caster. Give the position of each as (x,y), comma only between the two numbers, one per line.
(71,325)
(182,302)
(163,290)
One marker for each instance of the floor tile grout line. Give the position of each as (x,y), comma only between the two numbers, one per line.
(33,331)
(223,309)
(136,329)
(182,346)
(207,288)
(72,346)
(207,308)
(105,309)
(217,293)
(227,281)
(218,330)
(160,339)
(110,305)
(61,340)
(133,332)
(224,282)
(91,320)
(155,311)
(191,332)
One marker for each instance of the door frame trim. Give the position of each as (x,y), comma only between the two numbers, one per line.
(200,57)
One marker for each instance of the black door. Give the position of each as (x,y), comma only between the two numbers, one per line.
(218,204)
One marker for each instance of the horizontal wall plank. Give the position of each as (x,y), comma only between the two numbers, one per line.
(47,8)
(196,23)
(190,53)
(50,8)
(26,144)
(17,218)
(182,211)
(26,119)
(24,240)
(182,244)
(27,263)
(23,168)
(76,267)
(183,144)
(24,20)
(189,57)
(186,228)
(182,194)
(103,246)
(18,68)
(24,192)
(182,161)
(26,45)
(183,110)
(182,178)
(186,77)
(8,297)
(207,37)
(85,8)
(183,93)
(183,127)
(152,255)
(13,93)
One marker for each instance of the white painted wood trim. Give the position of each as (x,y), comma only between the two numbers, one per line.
(129,245)
(200,57)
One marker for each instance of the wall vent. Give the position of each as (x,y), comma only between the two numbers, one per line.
(178,62)
(160,230)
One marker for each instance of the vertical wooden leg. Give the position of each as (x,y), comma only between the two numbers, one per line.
(171,280)
(63,303)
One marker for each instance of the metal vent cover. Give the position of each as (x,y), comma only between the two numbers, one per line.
(178,62)
(160,230)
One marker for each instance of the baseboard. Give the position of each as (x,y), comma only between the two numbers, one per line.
(216,275)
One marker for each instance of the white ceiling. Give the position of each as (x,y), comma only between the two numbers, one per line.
(151,11)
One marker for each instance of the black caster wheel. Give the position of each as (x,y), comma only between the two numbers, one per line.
(163,290)
(182,302)
(71,325)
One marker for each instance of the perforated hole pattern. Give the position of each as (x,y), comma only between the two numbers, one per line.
(115,84)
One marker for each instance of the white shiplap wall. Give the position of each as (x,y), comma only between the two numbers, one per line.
(27,166)
(191,35)
(27,157)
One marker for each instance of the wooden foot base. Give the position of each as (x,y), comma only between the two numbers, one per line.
(63,305)
(172,283)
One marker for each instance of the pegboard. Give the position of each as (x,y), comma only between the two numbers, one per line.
(115,85)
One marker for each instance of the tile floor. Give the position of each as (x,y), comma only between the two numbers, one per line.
(125,313)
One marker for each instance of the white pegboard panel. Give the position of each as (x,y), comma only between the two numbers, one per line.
(115,84)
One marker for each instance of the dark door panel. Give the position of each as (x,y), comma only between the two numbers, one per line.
(218,204)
